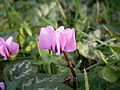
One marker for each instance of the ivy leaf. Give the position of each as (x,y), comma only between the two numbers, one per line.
(19,69)
(49,86)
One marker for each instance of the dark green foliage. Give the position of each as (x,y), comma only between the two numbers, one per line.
(23,75)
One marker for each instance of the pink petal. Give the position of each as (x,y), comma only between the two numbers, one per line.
(12,46)
(9,41)
(60,29)
(2,41)
(61,39)
(4,52)
(47,38)
(2,86)
(70,40)
(57,43)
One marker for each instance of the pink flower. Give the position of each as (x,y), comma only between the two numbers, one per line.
(8,47)
(2,86)
(58,41)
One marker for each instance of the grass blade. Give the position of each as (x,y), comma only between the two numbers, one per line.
(86,80)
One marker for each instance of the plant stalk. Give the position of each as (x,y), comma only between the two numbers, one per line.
(69,64)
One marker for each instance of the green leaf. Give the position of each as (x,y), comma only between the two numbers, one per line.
(19,69)
(27,28)
(109,74)
(22,75)
(116,48)
(86,50)
(49,86)
(37,80)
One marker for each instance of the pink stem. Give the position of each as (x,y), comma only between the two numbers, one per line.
(68,79)
(69,64)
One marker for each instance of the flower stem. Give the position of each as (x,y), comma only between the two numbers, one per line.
(69,64)
(67,79)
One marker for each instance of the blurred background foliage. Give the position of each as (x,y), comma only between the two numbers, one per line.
(97,25)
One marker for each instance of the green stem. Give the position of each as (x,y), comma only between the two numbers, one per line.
(49,68)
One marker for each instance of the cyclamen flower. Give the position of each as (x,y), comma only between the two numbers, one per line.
(58,41)
(8,47)
(2,86)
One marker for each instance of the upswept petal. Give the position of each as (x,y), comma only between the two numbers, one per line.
(9,41)
(2,86)
(12,47)
(4,52)
(60,29)
(70,40)
(61,40)
(57,51)
(2,41)
(47,38)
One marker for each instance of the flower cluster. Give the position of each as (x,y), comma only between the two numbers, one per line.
(57,40)
(60,40)
(8,47)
